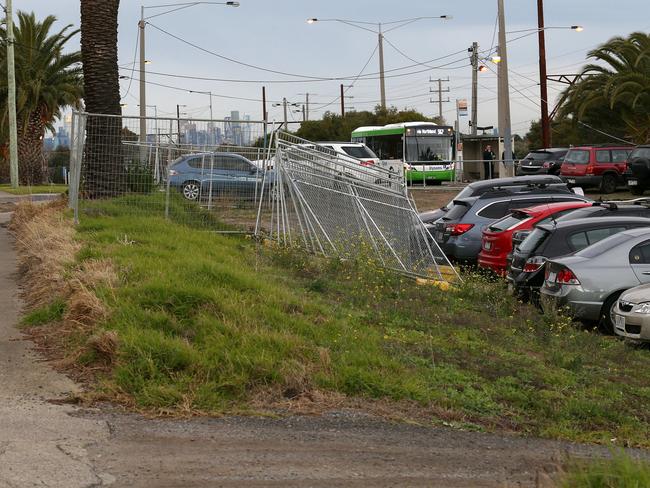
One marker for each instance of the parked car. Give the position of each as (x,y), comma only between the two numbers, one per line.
(596,166)
(629,208)
(632,315)
(216,174)
(496,243)
(542,161)
(590,282)
(459,232)
(353,150)
(638,176)
(551,240)
(478,188)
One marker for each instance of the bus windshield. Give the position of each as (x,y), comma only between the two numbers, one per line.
(426,148)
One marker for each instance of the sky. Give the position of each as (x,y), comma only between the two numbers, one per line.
(274,36)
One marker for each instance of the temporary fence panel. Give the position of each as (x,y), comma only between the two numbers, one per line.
(332,205)
(205,173)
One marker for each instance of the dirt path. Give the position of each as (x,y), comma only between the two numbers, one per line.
(43,444)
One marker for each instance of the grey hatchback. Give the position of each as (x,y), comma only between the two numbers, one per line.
(217,174)
(460,231)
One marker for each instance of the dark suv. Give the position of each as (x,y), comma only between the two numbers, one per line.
(542,161)
(480,187)
(560,238)
(638,177)
(596,166)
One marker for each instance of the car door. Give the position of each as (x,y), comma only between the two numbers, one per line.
(619,158)
(640,261)
(603,161)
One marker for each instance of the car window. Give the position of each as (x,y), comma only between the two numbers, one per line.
(457,210)
(640,254)
(359,152)
(197,163)
(534,240)
(619,155)
(539,155)
(577,156)
(496,210)
(232,163)
(580,240)
(603,245)
(603,156)
(641,152)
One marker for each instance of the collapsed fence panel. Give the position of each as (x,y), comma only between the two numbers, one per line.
(208,174)
(334,206)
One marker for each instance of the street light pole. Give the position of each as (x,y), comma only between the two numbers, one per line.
(505,130)
(546,126)
(474,58)
(11,98)
(382,81)
(143,90)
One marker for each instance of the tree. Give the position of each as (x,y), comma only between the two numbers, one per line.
(615,88)
(104,172)
(46,80)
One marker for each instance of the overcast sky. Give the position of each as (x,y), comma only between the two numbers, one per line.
(274,35)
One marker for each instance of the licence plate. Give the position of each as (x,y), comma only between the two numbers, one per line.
(632,182)
(551,277)
(487,246)
(571,180)
(619,321)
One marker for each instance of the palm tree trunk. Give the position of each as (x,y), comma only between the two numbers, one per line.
(30,150)
(104,171)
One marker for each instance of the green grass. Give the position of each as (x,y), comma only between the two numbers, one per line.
(208,322)
(30,190)
(45,315)
(621,471)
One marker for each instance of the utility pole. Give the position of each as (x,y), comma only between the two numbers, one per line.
(304,113)
(343,101)
(505,130)
(546,126)
(306,116)
(439,91)
(382,81)
(178,122)
(284,106)
(264,112)
(474,61)
(11,99)
(143,90)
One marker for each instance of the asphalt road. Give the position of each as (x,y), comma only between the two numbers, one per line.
(56,445)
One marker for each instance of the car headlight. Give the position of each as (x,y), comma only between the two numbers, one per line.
(642,308)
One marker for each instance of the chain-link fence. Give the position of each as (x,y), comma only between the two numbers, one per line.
(205,173)
(332,205)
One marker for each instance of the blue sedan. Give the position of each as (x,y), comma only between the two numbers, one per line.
(217,174)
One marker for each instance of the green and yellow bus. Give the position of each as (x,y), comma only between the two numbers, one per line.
(425,150)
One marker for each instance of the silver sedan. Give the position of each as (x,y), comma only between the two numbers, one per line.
(590,281)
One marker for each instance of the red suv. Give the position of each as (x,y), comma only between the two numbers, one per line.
(497,237)
(599,166)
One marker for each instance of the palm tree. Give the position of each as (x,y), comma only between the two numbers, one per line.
(104,173)
(616,86)
(46,81)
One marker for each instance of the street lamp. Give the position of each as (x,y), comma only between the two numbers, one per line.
(396,24)
(170,7)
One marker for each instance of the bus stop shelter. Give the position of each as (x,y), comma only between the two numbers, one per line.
(473,147)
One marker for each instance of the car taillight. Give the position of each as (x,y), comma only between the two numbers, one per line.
(458,229)
(546,165)
(173,172)
(566,277)
(534,263)
(367,163)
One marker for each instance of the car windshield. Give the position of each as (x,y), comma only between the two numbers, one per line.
(604,245)
(533,241)
(640,152)
(577,156)
(539,155)
(509,221)
(359,152)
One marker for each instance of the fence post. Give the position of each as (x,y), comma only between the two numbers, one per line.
(76,157)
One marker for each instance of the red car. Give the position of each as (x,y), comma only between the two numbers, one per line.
(497,237)
(599,166)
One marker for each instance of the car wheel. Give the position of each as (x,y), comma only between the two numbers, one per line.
(608,184)
(191,190)
(606,323)
(636,190)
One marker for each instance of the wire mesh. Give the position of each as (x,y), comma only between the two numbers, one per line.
(205,173)
(332,205)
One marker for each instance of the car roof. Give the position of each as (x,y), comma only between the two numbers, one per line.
(515,181)
(342,143)
(589,221)
(543,208)
(604,146)
(637,232)
(549,149)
